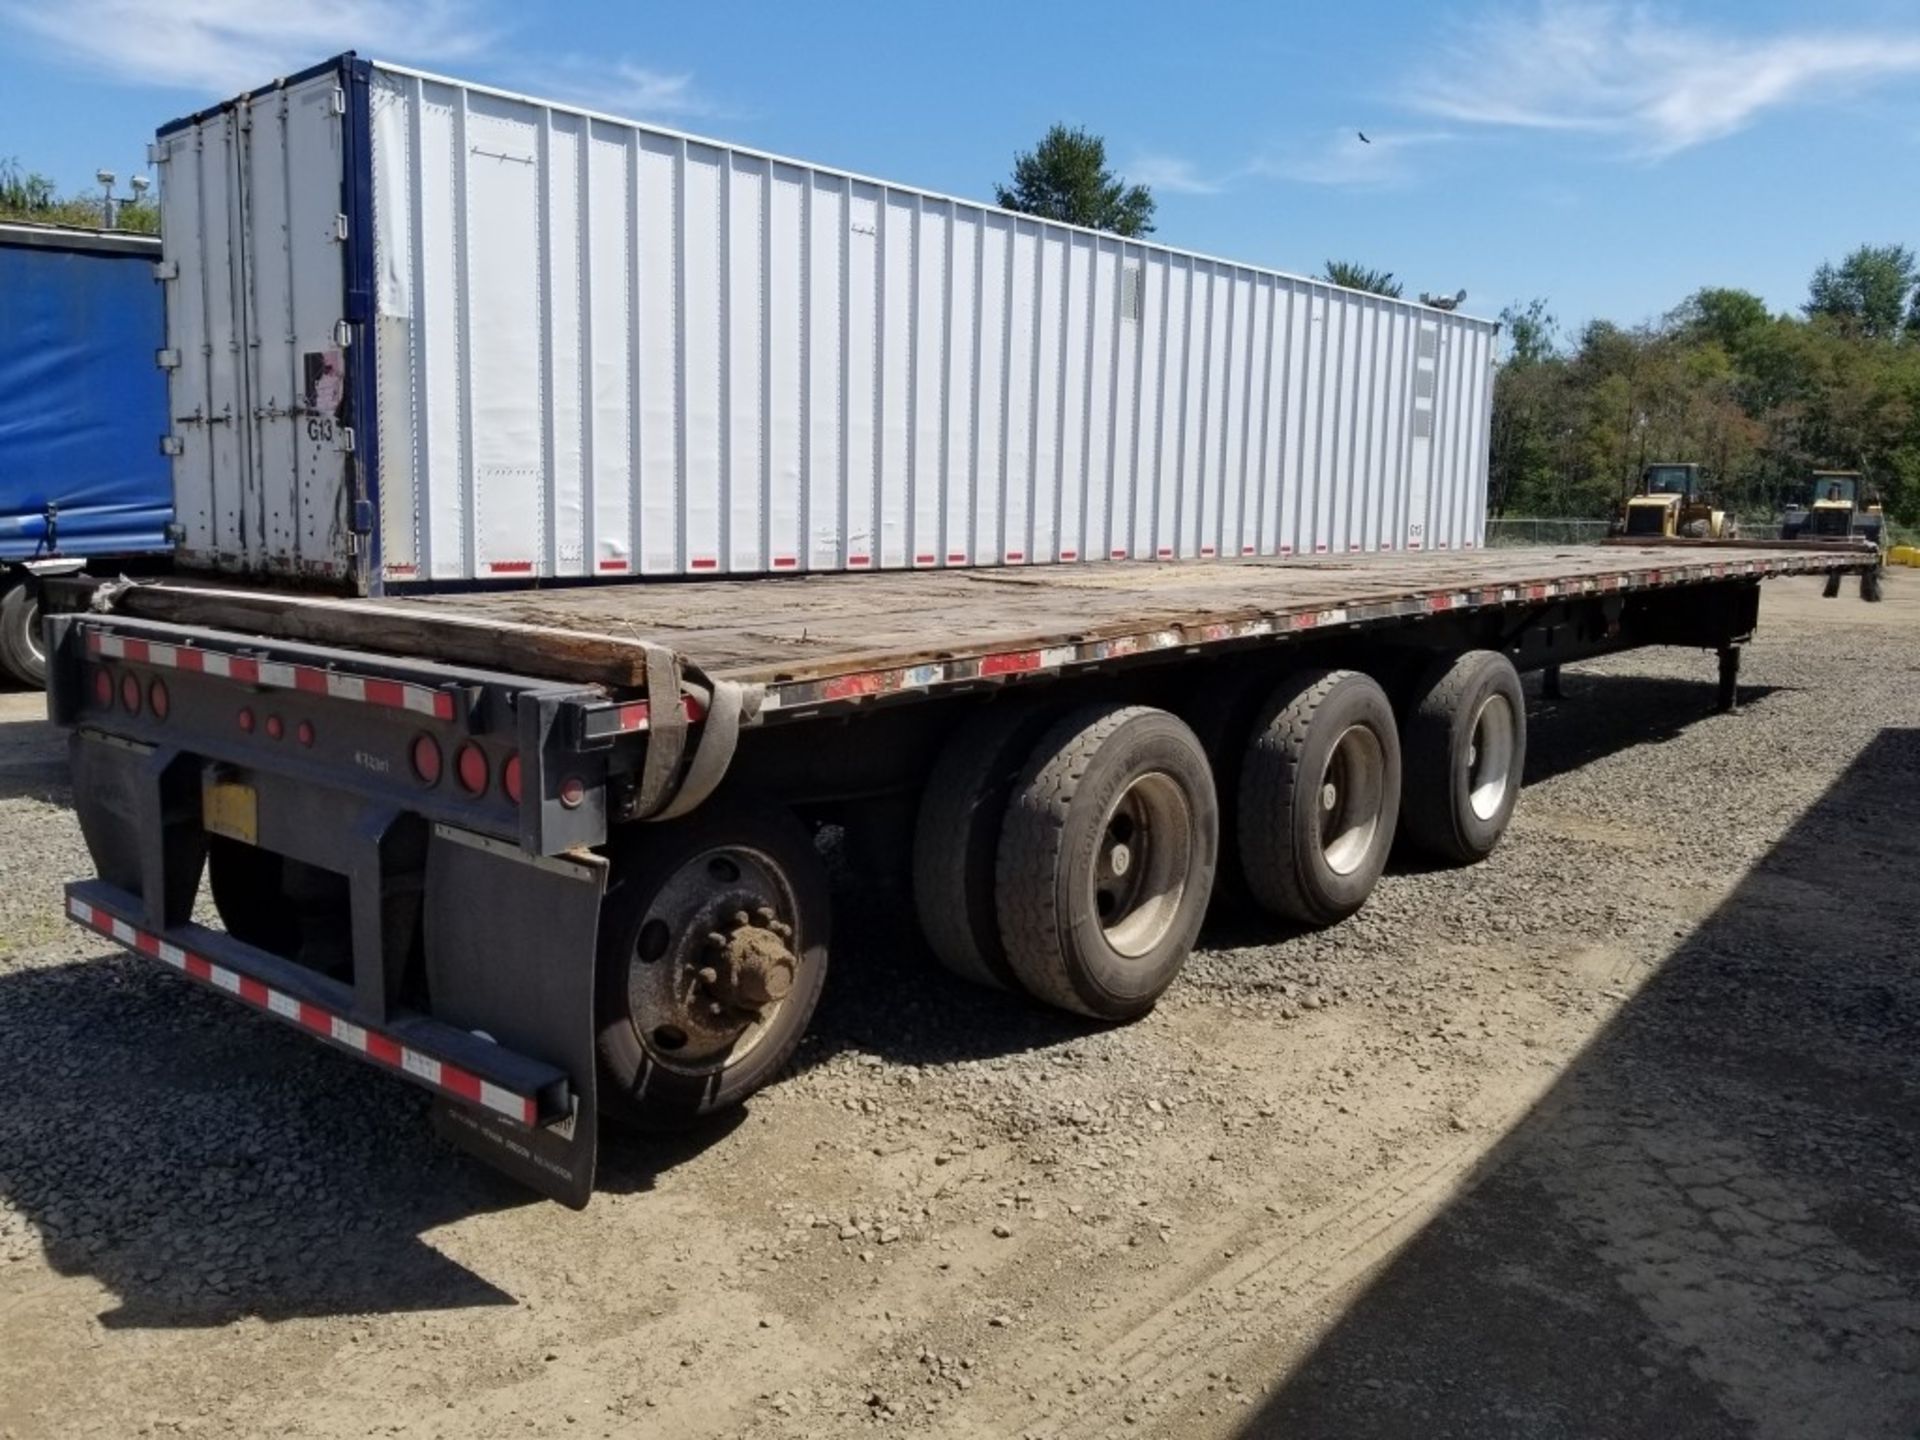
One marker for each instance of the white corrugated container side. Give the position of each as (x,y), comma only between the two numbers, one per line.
(595,348)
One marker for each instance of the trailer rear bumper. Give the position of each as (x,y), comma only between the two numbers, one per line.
(454,1064)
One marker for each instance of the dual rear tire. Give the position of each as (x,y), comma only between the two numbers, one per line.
(1072,856)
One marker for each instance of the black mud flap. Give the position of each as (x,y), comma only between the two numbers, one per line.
(510,952)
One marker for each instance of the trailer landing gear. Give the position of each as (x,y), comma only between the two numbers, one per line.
(1727,701)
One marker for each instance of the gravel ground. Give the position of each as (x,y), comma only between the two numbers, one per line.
(1614,1134)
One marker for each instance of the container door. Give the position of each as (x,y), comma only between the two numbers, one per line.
(296,244)
(256,237)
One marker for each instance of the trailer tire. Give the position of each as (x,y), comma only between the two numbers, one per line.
(1465,745)
(1221,711)
(1323,736)
(665,1060)
(957,837)
(1094,920)
(22,646)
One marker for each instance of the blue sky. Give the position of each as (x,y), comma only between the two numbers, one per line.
(1611,157)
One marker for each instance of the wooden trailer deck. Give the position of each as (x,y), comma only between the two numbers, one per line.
(880,629)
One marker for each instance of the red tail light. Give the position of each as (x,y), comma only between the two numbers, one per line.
(245,720)
(103,686)
(130,694)
(276,727)
(471,766)
(510,778)
(426,759)
(303,732)
(158,700)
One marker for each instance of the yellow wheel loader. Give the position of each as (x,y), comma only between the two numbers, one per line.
(1837,510)
(1670,503)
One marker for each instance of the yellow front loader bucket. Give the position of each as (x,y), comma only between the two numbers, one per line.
(1904,555)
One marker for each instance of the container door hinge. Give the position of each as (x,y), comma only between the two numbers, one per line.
(172,445)
(167,359)
(343,439)
(339,227)
(166,269)
(363,517)
(342,333)
(337,102)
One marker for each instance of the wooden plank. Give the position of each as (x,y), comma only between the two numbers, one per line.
(441,634)
(823,625)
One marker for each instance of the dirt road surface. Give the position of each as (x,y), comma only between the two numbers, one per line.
(1617,1134)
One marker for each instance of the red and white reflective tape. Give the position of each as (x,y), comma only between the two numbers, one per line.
(638,714)
(273,674)
(382,1049)
(801,695)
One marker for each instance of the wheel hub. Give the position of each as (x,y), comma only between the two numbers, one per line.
(714,960)
(752,965)
(1140,867)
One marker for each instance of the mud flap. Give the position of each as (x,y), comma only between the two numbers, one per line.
(510,951)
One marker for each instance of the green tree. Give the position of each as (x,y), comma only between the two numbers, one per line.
(1360,277)
(29,195)
(1729,317)
(1065,177)
(1532,332)
(1868,292)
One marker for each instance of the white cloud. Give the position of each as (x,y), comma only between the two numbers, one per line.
(1629,71)
(1172,174)
(1342,158)
(622,87)
(219,47)
(222,46)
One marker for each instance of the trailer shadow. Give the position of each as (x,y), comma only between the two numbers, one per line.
(202,1169)
(1711,1225)
(1602,714)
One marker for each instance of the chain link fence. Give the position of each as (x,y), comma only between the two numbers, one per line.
(1533,531)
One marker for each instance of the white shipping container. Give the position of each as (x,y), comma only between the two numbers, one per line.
(424,332)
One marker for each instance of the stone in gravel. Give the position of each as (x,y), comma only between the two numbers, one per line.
(1002,1232)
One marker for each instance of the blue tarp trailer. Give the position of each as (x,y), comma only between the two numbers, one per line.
(82,408)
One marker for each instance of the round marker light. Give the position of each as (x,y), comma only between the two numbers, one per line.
(130,694)
(573,790)
(103,686)
(471,766)
(245,720)
(426,759)
(510,778)
(303,732)
(276,727)
(158,700)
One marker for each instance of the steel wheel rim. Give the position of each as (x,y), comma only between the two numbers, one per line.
(1352,786)
(35,647)
(1490,757)
(671,1006)
(1141,861)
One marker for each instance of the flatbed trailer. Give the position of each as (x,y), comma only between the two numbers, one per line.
(552,852)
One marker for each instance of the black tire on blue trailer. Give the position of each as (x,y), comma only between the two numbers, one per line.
(711,957)
(22,646)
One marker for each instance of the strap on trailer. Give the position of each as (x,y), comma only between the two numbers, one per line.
(664,792)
